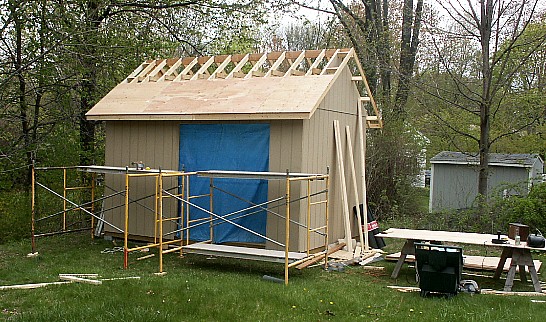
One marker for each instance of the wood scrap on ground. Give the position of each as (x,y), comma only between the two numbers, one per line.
(342,254)
(79,279)
(67,279)
(495,292)
(370,258)
(30,286)
(409,289)
(318,258)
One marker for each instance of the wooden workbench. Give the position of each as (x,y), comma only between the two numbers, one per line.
(520,254)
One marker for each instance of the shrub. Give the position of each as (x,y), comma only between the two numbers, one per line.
(488,216)
(14,216)
(529,210)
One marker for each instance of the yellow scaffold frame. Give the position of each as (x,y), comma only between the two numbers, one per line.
(183,217)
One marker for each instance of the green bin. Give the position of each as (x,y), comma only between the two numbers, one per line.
(439,268)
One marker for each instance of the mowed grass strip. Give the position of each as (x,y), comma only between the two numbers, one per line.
(198,288)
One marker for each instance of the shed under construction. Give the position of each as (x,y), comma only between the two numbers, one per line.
(254,112)
(254,134)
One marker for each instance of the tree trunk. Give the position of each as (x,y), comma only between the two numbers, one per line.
(22,102)
(88,84)
(485,105)
(411,26)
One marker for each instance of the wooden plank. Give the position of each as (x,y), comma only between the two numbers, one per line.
(276,65)
(145,257)
(186,70)
(318,258)
(238,67)
(441,236)
(203,69)
(256,66)
(31,286)
(221,68)
(79,280)
(299,261)
(495,292)
(342,254)
(295,64)
(487,263)
(81,275)
(341,176)
(355,189)
(242,252)
(409,289)
(362,149)
(171,70)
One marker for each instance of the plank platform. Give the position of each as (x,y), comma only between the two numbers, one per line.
(471,262)
(258,254)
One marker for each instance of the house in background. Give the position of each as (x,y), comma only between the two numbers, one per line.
(454,177)
(249,112)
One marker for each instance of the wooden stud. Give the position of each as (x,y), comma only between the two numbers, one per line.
(314,65)
(355,189)
(276,65)
(330,65)
(318,258)
(79,280)
(294,67)
(256,66)
(144,72)
(341,176)
(152,76)
(30,286)
(368,91)
(171,70)
(362,148)
(203,68)
(238,67)
(186,70)
(299,261)
(81,275)
(137,71)
(221,68)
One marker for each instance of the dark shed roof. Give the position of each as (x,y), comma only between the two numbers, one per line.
(499,159)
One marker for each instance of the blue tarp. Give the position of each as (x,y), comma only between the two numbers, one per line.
(239,147)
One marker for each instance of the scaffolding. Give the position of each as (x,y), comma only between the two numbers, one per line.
(316,195)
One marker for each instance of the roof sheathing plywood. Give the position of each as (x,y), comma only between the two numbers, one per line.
(277,98)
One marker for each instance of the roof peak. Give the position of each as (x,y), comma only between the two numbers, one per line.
(267,64)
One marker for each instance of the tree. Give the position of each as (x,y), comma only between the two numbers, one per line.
(27,82)
(478,89)
(385,36)
(98,13)
(58,58)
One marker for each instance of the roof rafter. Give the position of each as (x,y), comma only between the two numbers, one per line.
(306,63)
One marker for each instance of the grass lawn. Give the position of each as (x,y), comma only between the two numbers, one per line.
(197,288)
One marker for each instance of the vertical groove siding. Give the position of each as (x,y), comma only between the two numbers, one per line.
(154,143)
(340,103)
(285,153)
